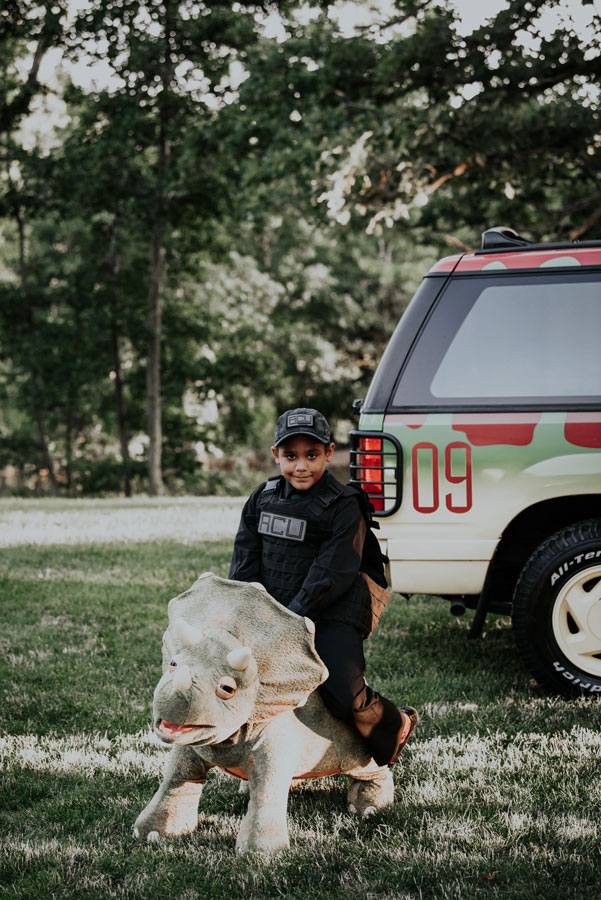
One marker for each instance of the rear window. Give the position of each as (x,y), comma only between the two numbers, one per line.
(515,339)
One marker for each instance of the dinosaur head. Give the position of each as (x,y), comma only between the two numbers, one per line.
(231,655)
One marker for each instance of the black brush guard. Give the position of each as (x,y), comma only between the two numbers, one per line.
(381,463)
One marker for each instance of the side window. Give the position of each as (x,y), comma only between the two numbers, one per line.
(515,339)
(400,343)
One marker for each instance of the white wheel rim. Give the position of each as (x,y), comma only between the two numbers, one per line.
(577,620)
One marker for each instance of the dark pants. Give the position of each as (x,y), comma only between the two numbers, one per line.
(348,696)
(341,648)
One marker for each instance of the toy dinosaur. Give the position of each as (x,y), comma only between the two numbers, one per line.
(237,691)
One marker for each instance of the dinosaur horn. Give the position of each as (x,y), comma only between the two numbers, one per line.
(309,625)
(187,633)
(182,678)
(239,659)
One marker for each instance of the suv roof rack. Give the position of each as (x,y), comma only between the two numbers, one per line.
(502,239)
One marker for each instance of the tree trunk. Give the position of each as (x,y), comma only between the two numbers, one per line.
(122,428)
(114,261)
(39,419)
(153,363)
(69,448)
(157,262)
(36,392)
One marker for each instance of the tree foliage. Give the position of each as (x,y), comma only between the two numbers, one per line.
(233,223)
(500,125)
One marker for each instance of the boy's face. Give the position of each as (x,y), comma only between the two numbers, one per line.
(302,460)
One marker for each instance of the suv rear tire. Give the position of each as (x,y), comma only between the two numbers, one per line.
(557,611)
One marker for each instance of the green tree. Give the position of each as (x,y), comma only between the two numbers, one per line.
(188,247)
(23,23)
(172,60)
(344,289)
(99,178)
(500,125)
(407,136)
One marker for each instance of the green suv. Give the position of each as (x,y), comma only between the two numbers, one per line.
(479,444)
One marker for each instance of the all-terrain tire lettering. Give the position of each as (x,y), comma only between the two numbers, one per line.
(569,552)
(575,561)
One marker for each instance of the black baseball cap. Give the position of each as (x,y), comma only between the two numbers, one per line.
(302,421)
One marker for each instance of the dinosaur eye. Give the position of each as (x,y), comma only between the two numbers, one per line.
(226,687)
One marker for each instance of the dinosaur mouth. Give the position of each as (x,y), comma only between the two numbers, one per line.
(173,728)
(176,733)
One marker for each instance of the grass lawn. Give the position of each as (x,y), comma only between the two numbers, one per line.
(498,793)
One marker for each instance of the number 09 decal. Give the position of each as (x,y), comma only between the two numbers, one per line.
(426,478)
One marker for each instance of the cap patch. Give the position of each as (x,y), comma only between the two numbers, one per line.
(297,419)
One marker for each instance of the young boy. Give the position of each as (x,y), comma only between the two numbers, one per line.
(301,535)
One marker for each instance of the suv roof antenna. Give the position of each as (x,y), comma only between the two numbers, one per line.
(502,236)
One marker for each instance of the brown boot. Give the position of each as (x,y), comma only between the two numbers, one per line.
(385,728)
(410,720)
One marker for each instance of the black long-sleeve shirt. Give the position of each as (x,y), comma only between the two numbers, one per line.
(334,566)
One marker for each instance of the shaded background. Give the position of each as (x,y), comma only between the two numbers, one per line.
(212,212)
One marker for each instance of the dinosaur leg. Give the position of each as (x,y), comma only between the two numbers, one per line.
(264,827)
(366,796)
(174,807)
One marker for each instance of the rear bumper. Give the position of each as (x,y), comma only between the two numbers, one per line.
(413,576)
(438,567)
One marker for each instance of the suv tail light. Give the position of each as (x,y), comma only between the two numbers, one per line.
(376,466)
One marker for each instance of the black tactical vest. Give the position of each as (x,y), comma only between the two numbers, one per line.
(292,531)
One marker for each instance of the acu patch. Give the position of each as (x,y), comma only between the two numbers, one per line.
(288,527)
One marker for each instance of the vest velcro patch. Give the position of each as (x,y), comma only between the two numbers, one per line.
(276,525)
